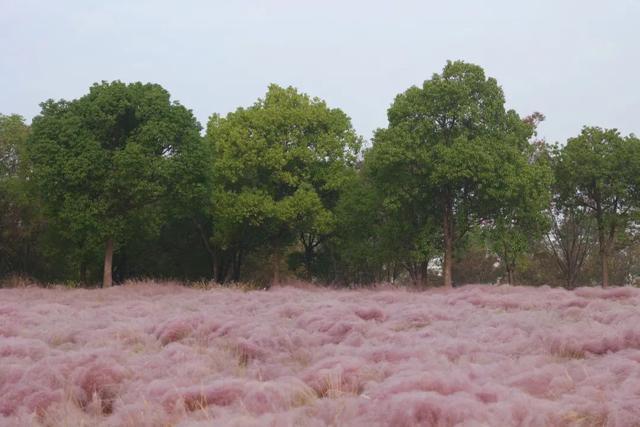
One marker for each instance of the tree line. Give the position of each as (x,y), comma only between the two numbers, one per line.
(123,182)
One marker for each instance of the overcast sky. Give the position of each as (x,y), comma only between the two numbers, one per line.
(577,62)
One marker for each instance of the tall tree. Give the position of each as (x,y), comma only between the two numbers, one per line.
(461,143)
(279,166)
(103,162)
(599,170)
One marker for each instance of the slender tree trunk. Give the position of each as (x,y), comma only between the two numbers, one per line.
(604,259)
(510,274)
(419,281)
(214,267)
(25,259)
(237,265)
(276,268)
(419,273)
(604,264)
(448,244)
(412,274)
(571,273)
(83,273)
(334,262)
(308,261)
(224,260)
(210,250)
(425,275)
(108,264)
(602,245)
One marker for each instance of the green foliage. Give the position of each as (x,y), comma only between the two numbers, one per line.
(103,163)
(455,179)
(406,222)
(13,135)
(452,148)
(476,260)
(520,219)
(20,220)
(279,166)
(599,170)
(357,250)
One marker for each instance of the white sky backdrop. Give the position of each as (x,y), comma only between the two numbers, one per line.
(578,62)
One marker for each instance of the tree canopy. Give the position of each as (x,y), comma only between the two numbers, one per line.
(279,166)
(18,221)
(102,162)
(454,146)
(599,170)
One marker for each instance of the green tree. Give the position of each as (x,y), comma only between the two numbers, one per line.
(103,163)
(461,145)
(357,250)
(407,222)
(375,239)
(279,166)
(599,170)
(13,135)
(569,240)
(18,219)
(519,219)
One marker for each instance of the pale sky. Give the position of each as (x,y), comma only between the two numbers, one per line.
(578,62)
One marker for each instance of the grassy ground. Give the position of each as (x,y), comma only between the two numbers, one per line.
(148,354)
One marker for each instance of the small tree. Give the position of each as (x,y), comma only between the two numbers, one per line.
(599,171)
(569,240)
(103,162)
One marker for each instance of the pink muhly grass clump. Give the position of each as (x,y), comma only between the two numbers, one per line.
(370,313)
(218,393)
(174,330)
(148,354)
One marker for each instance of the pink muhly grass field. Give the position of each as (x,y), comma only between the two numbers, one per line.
(148,354)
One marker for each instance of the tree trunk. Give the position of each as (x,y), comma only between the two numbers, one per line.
(419,273)
(419,281)
(308,261)
(425,275)
(237,265)
(448,245)
(604,265)
(276,268)
(210,250)
(214,267)
(108,264)
(571,279)
(510,275)
(224,260)
(604,258)
(25,258)
(83,273)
